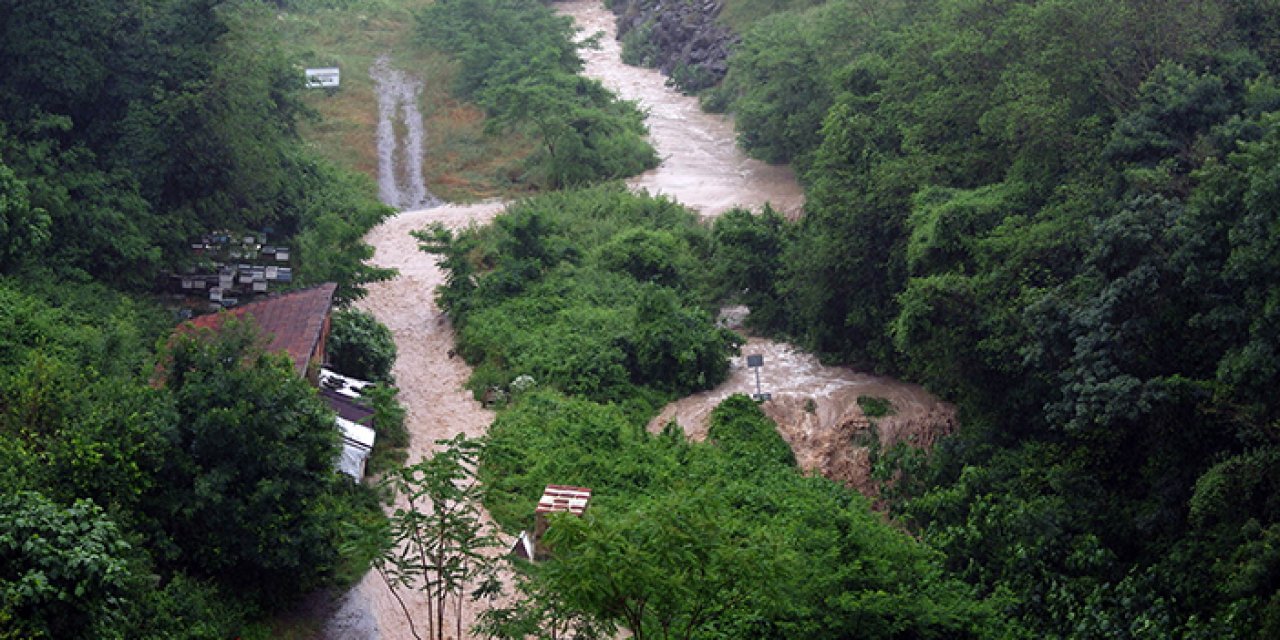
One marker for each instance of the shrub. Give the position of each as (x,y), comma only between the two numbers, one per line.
(361,347)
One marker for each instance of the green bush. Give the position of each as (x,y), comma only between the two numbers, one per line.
(637,49)
(246,495)
(361,347)
(518,61)
(875,407)
(63,570)
(738,425)
(388,421)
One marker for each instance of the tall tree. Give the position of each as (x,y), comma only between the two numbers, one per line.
(246,501)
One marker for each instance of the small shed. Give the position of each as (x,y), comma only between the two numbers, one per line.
(319,77)
(354,421)
(556,498)
(357,444)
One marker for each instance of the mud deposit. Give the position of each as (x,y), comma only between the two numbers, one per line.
(817,411)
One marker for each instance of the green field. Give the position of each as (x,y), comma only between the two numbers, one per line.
(463,164)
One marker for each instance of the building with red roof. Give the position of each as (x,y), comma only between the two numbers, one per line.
(296,323)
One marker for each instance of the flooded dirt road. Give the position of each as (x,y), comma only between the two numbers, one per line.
(430,381)
(815,406)
(400,138)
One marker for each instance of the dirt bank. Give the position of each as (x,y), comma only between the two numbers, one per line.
(817,411)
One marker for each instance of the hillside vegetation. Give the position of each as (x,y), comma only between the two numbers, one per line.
(154,487)
(583,313)
(1061,215)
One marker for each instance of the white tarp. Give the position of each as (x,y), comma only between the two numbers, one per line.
(357,444)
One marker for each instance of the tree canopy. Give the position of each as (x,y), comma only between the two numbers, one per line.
(583,313)
(1056,214)
(128,129)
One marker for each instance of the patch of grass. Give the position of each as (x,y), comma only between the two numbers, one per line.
(462,163)
(740,15)
(874,407)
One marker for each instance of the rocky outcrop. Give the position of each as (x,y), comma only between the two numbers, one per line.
(682,38)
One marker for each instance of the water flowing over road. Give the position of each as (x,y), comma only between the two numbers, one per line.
(430,381)
(815,406)
(400,138)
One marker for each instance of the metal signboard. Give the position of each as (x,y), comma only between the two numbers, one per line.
(323,77)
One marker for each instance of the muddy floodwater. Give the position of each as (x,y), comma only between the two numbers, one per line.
(400,138)
(702,166)
(817,410)
(815,405)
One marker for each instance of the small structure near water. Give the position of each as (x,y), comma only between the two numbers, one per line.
(355,420)
(297,324)
(231,268)
(556,498)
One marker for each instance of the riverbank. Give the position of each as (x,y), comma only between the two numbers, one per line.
(702,166)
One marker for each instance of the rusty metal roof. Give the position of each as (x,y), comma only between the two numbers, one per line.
(293,321)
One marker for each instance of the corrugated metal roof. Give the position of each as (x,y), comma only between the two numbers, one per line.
(293,321)
(347,408)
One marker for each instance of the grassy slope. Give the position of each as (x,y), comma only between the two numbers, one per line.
(463,163)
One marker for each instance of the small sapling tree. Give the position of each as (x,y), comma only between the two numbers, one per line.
(438,540)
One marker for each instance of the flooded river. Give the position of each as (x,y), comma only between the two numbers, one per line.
(815,406)
(701,164)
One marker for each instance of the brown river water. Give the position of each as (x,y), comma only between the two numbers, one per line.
(815,405)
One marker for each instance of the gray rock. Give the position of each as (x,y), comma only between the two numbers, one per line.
(692,46)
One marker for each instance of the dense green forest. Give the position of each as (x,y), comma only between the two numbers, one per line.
(162,486)
(1059,215)
(589,310)
(1062,216)
(154,487)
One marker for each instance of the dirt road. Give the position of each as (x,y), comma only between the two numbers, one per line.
(400,138)
(430,382)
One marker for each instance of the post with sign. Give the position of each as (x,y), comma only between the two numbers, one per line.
(755,361)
